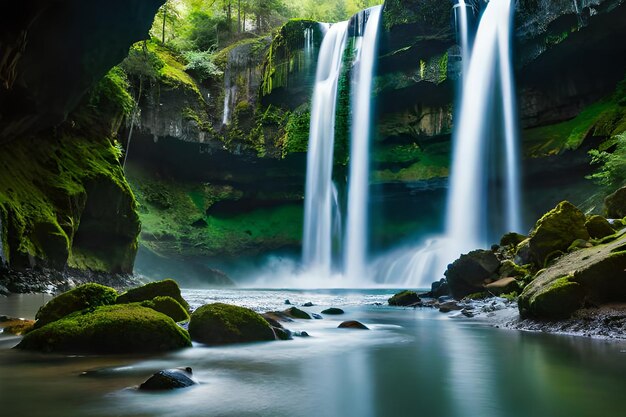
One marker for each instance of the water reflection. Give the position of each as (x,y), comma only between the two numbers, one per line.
(411,362)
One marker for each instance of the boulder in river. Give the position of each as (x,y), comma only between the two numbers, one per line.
(79,298)
(128,328)
(218,324)
(165,288)
(352,324)
(333,311)
(404,298)
(169,379)
(168,306)
(296,313)
(470,273)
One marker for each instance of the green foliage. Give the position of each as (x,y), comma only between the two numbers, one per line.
(429,14)
(165,288)
(112,91)
(79,298)
(611,172)
(114,329)
(217,324)
(201,65)
(168,306)
(296,137)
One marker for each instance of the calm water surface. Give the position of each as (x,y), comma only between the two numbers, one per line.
(411,363)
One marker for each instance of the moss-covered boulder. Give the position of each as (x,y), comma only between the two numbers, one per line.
(218,324)
(168,306)
(114,329)
(509,269)
(333,311)
(615,204)
(512,239)
(555,231)
(471,272)
(165,288)
(404,298)
(598,227)
(79,298)
(592,276)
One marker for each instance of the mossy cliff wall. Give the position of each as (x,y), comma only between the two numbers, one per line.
(64,201)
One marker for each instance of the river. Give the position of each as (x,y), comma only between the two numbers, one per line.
(412,362)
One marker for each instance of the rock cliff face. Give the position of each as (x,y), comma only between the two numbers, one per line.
(64,201)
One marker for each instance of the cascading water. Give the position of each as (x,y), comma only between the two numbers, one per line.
(229,92)
(320,194)
(358,186)
(489,71)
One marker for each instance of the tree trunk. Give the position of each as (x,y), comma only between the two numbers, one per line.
(229,16)
(243,28)
(238,16)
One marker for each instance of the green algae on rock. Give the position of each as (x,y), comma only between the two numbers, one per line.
(404,298)
(165,288)
(114,329)
(82,297)
(218,324)
(591,276)
(555,231)
(168,306)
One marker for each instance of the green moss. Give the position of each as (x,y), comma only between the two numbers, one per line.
(79,298)
(109,329)
(477,296)
(218,323)
(443,68)
(113,90)
(285,55)
(427,14)
(168,306)
(598,227)
(165,288)
(512,296)
(556,301)
(296,137)
(404,298)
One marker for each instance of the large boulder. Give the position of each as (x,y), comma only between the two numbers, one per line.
(169,379)
(555,231)
(168,306)
(218,324)
(404,298)
(114,329)
(615,204)
(79,298)
(591,276)
(165,288)
(598,227)
(471,272)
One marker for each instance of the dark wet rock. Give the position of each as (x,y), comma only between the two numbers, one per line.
(316,316)
(439,288)
(281,333)
(287,302)
(296,313)
(4,290)
(301,334)
(591,276)
(512,239)
(598,227)
(471,272)
(352,324)
(333,311)
(555,232)
(404,298)
(218,324)
(308,304)
(165,288)
(503,286)
(273,319)
(169,379)
(467,313)
(112,329)
(80,298)
(615,204)
(449,306)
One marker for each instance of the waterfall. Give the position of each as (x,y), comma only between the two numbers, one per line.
(357,217)
(320,191)
(489,69)
(227,96)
